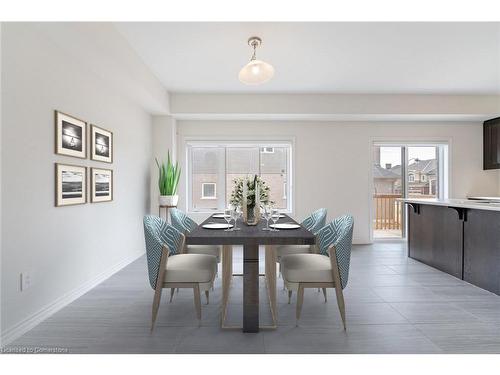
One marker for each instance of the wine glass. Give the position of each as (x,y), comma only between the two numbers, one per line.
(267,215)
(228,217)
(234,215)
(275,215)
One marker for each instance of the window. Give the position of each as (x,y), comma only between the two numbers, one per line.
(213,166)
(208,190)
(411,170)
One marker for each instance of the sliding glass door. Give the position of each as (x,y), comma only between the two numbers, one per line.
(400,171)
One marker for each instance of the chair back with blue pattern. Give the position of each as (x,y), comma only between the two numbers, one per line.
(182,222)
(159,233)
(315,221)
(338,234)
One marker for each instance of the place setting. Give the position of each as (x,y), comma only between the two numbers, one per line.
(271,213)
(231,214)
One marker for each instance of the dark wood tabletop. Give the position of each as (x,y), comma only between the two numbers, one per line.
(250,235)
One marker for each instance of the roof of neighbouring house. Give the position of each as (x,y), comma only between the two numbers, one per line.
(425,166)
(428,166)
(379,172)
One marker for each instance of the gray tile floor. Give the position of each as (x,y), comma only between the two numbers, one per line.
(394,305)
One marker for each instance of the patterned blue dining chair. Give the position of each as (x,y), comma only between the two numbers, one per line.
(169,269)
(328,269)
(184,224)
(313,223)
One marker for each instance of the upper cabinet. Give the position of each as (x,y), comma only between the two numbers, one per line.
(491,144)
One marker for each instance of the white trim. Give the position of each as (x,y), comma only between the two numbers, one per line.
(30,322)
(333,117)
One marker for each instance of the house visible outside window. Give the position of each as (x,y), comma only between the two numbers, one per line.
(411,178)
(212,167)
(208,190)
(267,150)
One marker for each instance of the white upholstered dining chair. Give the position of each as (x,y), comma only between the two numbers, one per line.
(167,268)
(328,269)
(185,224)
(313,223)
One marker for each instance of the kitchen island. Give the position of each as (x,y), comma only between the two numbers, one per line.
(457,236)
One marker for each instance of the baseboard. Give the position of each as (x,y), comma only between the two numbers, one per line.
(27,324)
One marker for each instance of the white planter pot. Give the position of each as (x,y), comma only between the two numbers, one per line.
(168,200)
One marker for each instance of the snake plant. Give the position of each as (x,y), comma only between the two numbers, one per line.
(168,178)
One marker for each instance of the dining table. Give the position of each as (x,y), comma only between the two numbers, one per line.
(250,237)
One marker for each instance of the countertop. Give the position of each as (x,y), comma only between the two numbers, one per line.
(462,203)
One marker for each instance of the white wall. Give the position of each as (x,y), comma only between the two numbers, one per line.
(65,249)
(332,159)
(164,135)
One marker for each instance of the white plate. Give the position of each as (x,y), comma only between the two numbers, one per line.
(218,216)
(217,226)
(285,226)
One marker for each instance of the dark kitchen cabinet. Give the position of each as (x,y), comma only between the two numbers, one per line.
(482,249)
(491,144)
(435,237)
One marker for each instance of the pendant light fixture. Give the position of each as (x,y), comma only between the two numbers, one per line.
(256,71)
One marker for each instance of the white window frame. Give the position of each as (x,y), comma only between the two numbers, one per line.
(423,178)
(444,176)
(411,177)
(190,142)
(203,196)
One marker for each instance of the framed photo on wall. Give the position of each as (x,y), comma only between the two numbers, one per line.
(101,182)
(71,185)
(71,135)
(101,144)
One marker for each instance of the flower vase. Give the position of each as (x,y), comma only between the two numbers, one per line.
(251,215)
(251,210)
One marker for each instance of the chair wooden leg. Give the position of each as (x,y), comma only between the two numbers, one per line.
(300,300)
(172,291)
(324,293)
(289,296)
(197,301)
(338,284)
(156,306)
(159,285)
(340,302)
(207,294)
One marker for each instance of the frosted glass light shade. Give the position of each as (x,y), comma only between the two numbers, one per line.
(256,72)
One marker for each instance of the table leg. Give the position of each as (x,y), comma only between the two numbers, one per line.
(250,288)
(271,279)
(227,274)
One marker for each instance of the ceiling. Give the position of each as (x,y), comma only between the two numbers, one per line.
(420,58)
